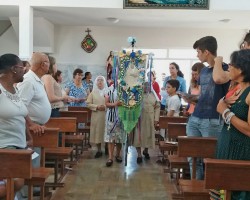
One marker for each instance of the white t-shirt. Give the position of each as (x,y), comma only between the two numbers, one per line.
(34,96)
(12,119)
(174,103)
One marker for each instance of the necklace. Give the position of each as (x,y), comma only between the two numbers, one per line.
(13,97)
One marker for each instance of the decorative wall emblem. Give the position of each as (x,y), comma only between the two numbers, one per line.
(88,43)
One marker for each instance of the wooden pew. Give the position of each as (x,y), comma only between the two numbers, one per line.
(175,162)
(86,129)
(65,124)
(81,117)
(78,108)
(164,120)
(58,154)
(195,147)
(15,163)
(163,124)
(39,175)
(230,175)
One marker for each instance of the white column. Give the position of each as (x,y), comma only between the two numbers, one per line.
(25,30)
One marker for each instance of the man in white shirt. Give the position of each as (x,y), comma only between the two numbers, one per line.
(34,96)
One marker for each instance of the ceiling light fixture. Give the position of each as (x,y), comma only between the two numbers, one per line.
(113,19)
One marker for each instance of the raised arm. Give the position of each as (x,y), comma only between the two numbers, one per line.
(220,76)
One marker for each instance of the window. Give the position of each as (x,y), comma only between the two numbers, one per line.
(185,58)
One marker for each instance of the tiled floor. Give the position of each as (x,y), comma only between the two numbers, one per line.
(92,180)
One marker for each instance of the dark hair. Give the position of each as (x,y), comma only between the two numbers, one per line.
(179,72)
(85,75)
(52,62)
(25,63)
(77,71)
(174,83)
(55,76)
(207,43)
(241,60)
(247,38)
(197,67)
(7,61)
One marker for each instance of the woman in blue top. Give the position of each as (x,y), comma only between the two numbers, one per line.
(175,73)
(77,90)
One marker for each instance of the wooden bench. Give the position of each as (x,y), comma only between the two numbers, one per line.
(78,108)
(58,154)
(163,124)
(230,175)
(86,129)
(195,147)
(15,163)
(81,118)
(176,163)
(39,175)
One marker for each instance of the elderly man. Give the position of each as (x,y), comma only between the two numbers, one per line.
(33,94)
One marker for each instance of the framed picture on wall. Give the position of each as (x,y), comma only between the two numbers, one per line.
(167,4)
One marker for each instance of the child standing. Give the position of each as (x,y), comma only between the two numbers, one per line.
(174,102)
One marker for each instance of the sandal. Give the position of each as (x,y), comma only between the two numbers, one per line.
(118,159)
(109,162)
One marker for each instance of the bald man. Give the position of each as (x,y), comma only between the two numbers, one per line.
(34,96)
(33,93)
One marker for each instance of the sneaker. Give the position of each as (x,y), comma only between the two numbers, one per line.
(98,154)
(139,160)
(146,155)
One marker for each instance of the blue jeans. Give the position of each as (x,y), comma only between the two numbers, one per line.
(202,128)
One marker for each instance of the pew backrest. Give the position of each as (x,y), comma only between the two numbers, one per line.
(203,147)
(81,116)
(79,108)
(65,124)
(15,163)
(175,130)
(164,120)
(47,140)
(227,174)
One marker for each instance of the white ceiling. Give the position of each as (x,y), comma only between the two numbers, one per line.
(239,19)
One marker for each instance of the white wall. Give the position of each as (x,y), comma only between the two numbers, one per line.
(70,55)
(68,41)
(9,42)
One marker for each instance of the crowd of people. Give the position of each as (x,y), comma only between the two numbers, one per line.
(218,104)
